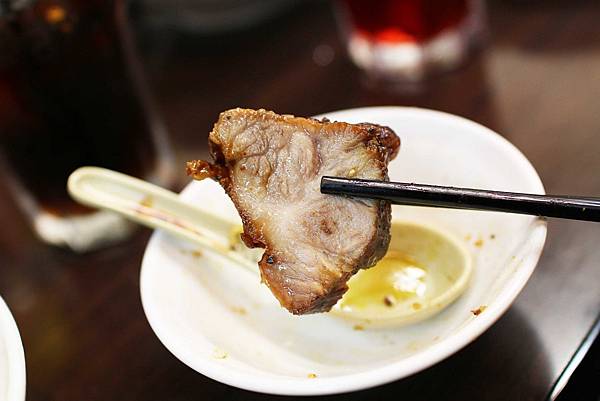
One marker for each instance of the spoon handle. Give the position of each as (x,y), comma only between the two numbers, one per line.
(154,207)
(565,207)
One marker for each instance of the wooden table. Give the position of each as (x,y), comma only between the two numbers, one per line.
(537,82)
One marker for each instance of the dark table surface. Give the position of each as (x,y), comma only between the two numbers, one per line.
(536,82)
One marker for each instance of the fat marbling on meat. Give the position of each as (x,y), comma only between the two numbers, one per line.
(271,167)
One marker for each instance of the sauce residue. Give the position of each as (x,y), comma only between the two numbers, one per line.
(395,278)
(478,311)
(423,271)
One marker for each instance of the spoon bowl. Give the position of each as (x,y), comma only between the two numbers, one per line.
(424,270)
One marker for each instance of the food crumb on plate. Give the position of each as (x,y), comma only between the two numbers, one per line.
(448,276)
(492,236)
(358,327)
(389,300)
(240,310)
(218,353)
(197,253)
(479,310)
(312,375)
(479,243)
(416,306)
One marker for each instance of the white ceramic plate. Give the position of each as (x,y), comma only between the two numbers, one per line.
(12,359)
(223,323)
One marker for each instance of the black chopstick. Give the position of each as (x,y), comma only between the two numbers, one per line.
(565,207)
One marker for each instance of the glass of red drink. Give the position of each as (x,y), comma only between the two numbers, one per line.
(71,95)
(405,40)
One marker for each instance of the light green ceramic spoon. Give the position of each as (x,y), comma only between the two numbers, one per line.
(446,261)
(156,207)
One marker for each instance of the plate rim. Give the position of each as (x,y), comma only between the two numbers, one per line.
(16,385)
(399,369)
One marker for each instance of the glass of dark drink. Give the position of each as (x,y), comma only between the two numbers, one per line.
(72,95)
(406,40)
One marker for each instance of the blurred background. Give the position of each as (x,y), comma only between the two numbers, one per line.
(136,86)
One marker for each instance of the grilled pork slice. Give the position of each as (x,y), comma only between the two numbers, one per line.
(271,166)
